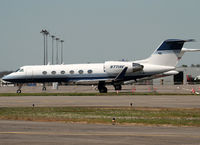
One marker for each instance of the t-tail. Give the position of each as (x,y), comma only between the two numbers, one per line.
(168,53)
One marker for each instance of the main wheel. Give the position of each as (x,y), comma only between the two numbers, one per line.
(103,90)
(118,87)
(101,87)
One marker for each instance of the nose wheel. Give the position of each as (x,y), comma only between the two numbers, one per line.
(19,88)
(44,87)
(19,91)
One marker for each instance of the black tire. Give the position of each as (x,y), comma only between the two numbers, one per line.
(19,91)
(118,87)
(44,88)
(103,90)
(101,87)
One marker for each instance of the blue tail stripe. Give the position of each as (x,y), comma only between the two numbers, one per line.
(171,44)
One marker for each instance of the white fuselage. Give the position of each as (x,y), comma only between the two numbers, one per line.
(84,72)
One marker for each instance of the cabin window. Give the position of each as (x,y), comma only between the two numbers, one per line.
(62,72)
(71,72)
(44,72)
(53,72)
(80,71)
(89,71)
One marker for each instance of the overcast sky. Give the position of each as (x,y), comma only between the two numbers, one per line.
(95,30)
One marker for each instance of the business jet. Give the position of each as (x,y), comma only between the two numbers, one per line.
(161,63)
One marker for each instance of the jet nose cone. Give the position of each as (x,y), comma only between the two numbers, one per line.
(6,78)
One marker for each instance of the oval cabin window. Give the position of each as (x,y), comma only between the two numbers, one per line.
(80,71)
(90,71)
(62,72)
(53,72)
(44,72)
(71,72)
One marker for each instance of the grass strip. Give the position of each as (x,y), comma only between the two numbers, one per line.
(123,115)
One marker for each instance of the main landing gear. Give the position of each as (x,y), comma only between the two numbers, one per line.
(19,88)
(102,88)
(118,87)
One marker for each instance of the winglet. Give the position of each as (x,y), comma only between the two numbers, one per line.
(121,75)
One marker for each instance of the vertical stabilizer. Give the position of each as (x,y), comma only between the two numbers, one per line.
(168,52)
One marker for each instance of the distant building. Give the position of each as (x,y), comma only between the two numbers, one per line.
(181,78)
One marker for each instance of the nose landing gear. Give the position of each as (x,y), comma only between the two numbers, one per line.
(19,91)
(19,88)
(44,87)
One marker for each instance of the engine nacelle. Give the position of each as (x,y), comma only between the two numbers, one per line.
(115,67)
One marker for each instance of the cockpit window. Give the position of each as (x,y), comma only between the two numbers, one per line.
(21,70)
(17,70)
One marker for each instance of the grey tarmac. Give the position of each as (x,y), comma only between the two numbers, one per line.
(93,89)
(51,133)
(168,101)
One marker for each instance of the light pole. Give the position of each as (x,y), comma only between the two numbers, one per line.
(43,32)
(52,36)
(46,33)
(62,41)
(57,40)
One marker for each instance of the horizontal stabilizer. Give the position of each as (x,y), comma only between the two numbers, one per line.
(189,50)
(186,50)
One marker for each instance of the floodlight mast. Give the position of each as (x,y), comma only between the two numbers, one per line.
(62,41)
(46,33)
(57,40)
(53,38)
(43,33)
